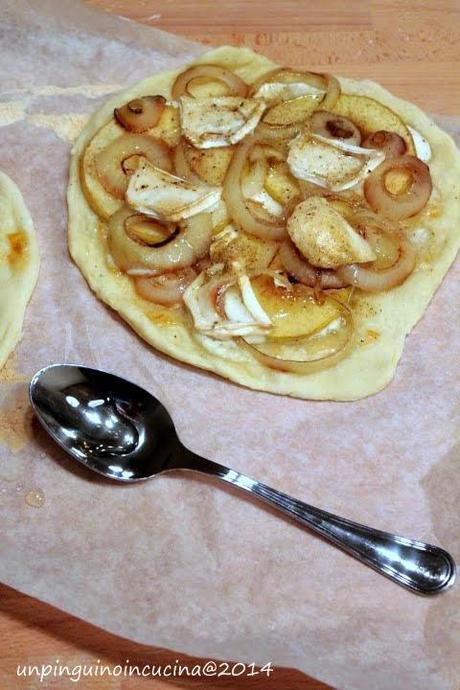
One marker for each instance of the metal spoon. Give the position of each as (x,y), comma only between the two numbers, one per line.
(122,432)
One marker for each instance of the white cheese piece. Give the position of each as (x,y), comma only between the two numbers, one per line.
(219,121)
(204,314)
(272,92)
(166,197)
(251,302)
(234,307)
(324,237)
(422,147)
(268,202)
(244,315)
(332,164)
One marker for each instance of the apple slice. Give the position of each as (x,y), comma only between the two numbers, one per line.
(293,111)
(294,313)
(371,116)
(210,164)
(280,184)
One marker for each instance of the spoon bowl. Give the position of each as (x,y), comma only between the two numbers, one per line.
(108,424)
(123,432)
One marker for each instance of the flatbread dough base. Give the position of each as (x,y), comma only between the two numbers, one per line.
(370,367)
(18,268)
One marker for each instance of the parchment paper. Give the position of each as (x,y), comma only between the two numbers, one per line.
(181,562)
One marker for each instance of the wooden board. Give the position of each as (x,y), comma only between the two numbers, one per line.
(412,48)
(34,633)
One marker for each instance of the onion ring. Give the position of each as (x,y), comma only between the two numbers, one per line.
(326,82)
(273,133)
(140,114)
(166,288)
(182,166)
(333,126)
(389,142)
(305,273)
(236,86)
(253,181)
(406,204)
(371,280)
(322,350)
(148,231)
(236,203)
(333,92)
(180,250)
(110,161)
(383,235)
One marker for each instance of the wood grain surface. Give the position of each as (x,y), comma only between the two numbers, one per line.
(412,48)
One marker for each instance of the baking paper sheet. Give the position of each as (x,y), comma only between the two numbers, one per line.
(181,562)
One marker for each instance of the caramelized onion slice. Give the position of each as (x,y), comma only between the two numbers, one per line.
(332,93)
(254,177)
(286,76)
(237,205)
(110,162)
(325,82)
(306,355)
(166,288)
(182,248)
(371,280)
(182,166)
(276,133)
(389,142)
(333,126)
(305,273)
(147,231)
(412,198)
(236,86)
(383,235)
(140,114)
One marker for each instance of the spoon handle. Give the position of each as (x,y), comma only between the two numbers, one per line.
(420,567)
